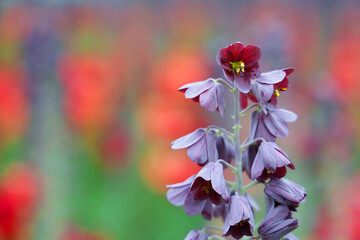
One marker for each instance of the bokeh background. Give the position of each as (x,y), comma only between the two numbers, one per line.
(89,107)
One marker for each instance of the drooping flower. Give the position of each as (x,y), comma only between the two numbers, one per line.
(196,235)
(210,184)
(263,87)
(200,146)
(271,125)
(270,162)
(209,93)
(277,223)
(178,192)
(285,192)
(240,64)
(248,158)
(240,218)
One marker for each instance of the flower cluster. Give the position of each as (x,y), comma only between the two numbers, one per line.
(214,148)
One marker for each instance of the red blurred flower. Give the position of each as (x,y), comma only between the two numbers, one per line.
(19,196)
(240,64)
(91,91)
(13,102)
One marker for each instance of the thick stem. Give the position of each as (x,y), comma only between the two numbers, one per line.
(238,176)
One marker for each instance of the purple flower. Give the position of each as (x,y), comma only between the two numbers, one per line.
(209,93)
(209,183)
(178,192)
(220,211)
(240,64)
(263,87)
(240,218)
(270,162)
(271,125)
(196,235)
(285,192)
(225,148)
(277,223)
(200,146)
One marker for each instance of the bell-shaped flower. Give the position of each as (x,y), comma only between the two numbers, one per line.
(277,223)
(225,148)
(210,183)
(263,87)
(178,192)
(240,218)
(285,192)
(271,125)
(240,64)
(266,89)
(270,162)
(200,144)
(196,235)
(209,93)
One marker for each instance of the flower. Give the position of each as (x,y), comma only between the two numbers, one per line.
(271,125)
(270,162)
(248,158)
(178,192)
(263,87)
(277,223)
(210,184)
(267,88)
(196,235)
(285,192)
(240,218)
(200,146)
(209,93)
(240,64)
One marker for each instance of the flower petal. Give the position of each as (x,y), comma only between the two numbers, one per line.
(272,77)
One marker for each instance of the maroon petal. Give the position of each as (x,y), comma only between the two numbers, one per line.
(250,55)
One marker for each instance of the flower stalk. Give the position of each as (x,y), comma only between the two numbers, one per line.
(238,176)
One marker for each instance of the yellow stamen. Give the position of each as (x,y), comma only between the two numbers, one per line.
(276,92)
(268,172)
(282,88)
(237,66)
(206,188)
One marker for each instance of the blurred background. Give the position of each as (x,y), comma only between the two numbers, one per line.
(89,107)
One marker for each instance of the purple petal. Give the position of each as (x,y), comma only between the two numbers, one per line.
(218,181)
(262,92)
(286,115)
(196,88)
(178,192)
(276,125)
(208,100)
(197,152)
(243,83)
(188,140)
(220,98)
(193,207)
(272,77)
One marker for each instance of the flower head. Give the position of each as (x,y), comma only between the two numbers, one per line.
(209,183)
(277,223)
(285,192)
(209,93)
(200,146)
(271,125)
(240,218)
(270,162)
(240,64)
(196,235)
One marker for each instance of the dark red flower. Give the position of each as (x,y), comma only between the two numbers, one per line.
(240,64)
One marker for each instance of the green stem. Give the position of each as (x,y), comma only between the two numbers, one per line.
(249,107)
(251,184)
(238,176)
(212,227)
(252,142)
(226,84)
(228,164)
